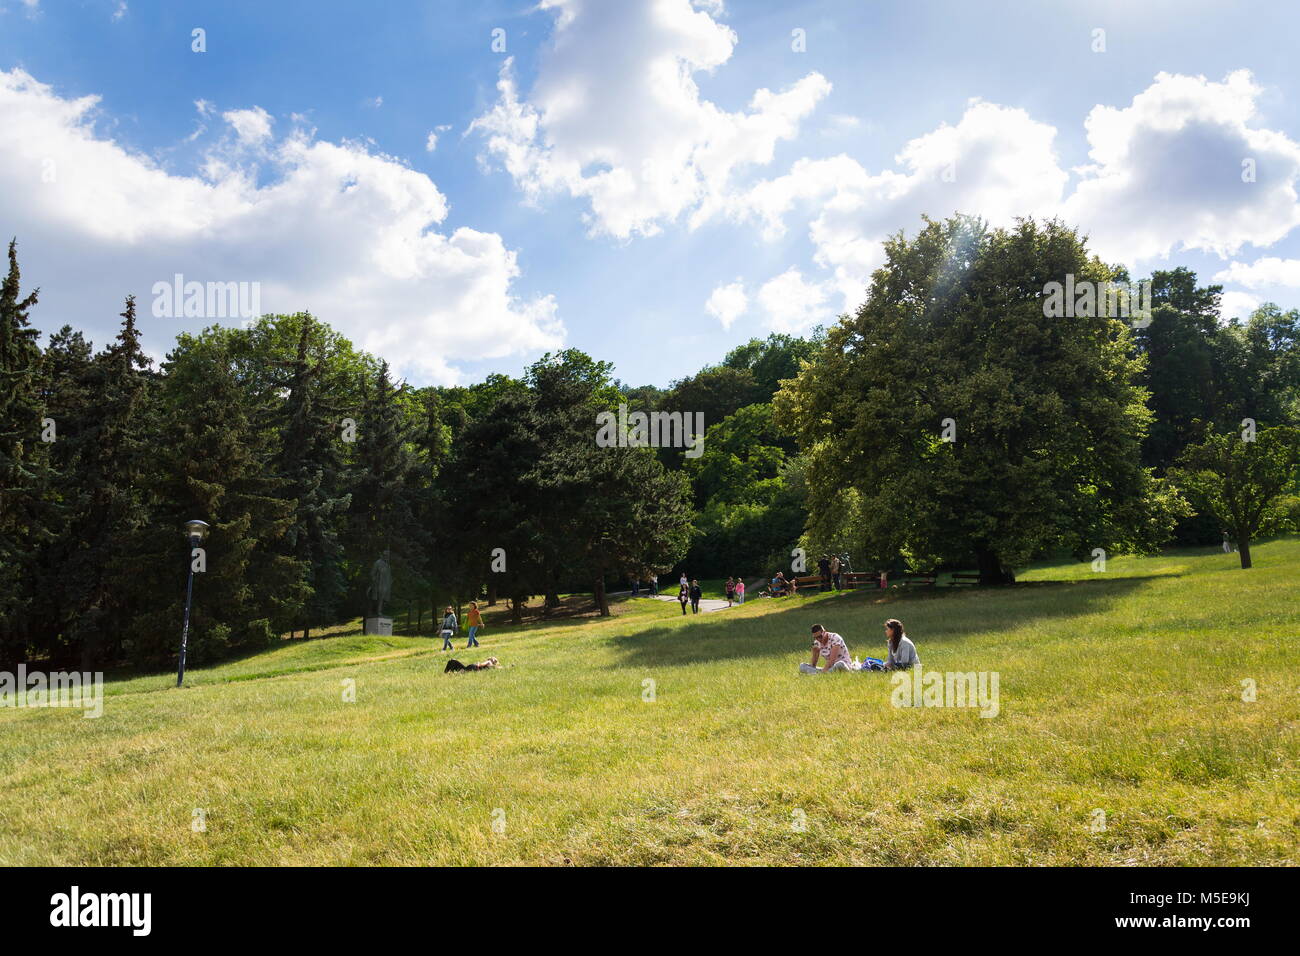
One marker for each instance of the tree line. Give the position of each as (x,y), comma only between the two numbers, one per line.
(946,422)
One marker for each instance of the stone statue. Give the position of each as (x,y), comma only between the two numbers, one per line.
(381,583)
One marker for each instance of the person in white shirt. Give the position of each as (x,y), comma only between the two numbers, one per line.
(902,652)
(829,645)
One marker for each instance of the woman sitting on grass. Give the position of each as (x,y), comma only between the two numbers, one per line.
(831,646)
(902,652)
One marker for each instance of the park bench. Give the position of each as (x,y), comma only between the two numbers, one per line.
(960,578)
(860,579)
(808,581)
(914,579)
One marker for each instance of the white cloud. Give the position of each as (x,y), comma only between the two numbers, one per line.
(1167,172)
(794,305)
(120,12)
(615,116)
(251,126)
(996,162)
(1262,273)
(431,143)
(334,228)
(1237,305)
(727,303)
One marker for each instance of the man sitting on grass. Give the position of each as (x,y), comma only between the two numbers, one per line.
(831,646)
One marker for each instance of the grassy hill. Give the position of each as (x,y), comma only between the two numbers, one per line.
(1119,692)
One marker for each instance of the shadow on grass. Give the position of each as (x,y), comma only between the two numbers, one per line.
(929,616)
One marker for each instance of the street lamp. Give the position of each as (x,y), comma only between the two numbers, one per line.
(195,532)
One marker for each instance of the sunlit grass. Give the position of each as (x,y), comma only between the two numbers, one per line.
(1120,692)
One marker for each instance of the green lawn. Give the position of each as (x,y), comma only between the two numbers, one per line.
(1120,692)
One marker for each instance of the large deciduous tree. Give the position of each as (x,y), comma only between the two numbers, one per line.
(971,427)
(1240,478)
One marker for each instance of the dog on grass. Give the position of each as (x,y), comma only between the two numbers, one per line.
(455,665)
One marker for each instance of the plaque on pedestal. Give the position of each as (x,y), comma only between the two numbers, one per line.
(379,625)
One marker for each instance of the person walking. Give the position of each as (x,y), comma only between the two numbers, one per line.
(835,571)
(683,596)
(740,590)
(475,622)
(654,584)
(731,591)
(824,569)
(448,628)
(695,596)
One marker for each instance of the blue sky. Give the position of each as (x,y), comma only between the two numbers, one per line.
(651,182)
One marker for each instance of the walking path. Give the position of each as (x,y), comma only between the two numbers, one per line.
(706,604)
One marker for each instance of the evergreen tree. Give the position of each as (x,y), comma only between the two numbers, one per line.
(311,464)
(384,497)
(25,513)
(212,461)
(103,448)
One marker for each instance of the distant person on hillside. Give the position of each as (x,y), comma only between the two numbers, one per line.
(475,622)
(448,628)
(684,596)
(731,591)
(684,582)
(636,586)
(831,647)
(824,569)
(835,571)
(695,596)
(902,652)
(740,590)
(654,584)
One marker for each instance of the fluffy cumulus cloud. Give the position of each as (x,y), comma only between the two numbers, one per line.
(1237,305)
(1264,273)
(1183,165)
(251,127)
(331,227)
(996,162)
(615,117)
(727,303)
(793,304)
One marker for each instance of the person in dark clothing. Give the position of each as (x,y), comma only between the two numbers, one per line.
(695,596)
(824,566)
(683,596)
(454,665)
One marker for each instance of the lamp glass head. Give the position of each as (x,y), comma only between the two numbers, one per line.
(196,530)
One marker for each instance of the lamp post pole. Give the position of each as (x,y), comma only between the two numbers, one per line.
(185,632)
(195,532)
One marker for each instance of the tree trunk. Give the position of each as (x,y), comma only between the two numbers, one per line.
(1243,549)
(990,567)
(602,602)
(492,594)
(516,610)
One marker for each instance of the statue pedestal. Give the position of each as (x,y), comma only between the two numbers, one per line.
(382,626)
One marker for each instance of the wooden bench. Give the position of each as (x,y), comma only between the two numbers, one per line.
(860,579)
(914,579)
(965,578)
(808,582)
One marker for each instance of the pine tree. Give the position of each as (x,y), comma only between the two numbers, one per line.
(213,460)
(311,464)
(25,514)
(110,440)
(384,495)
